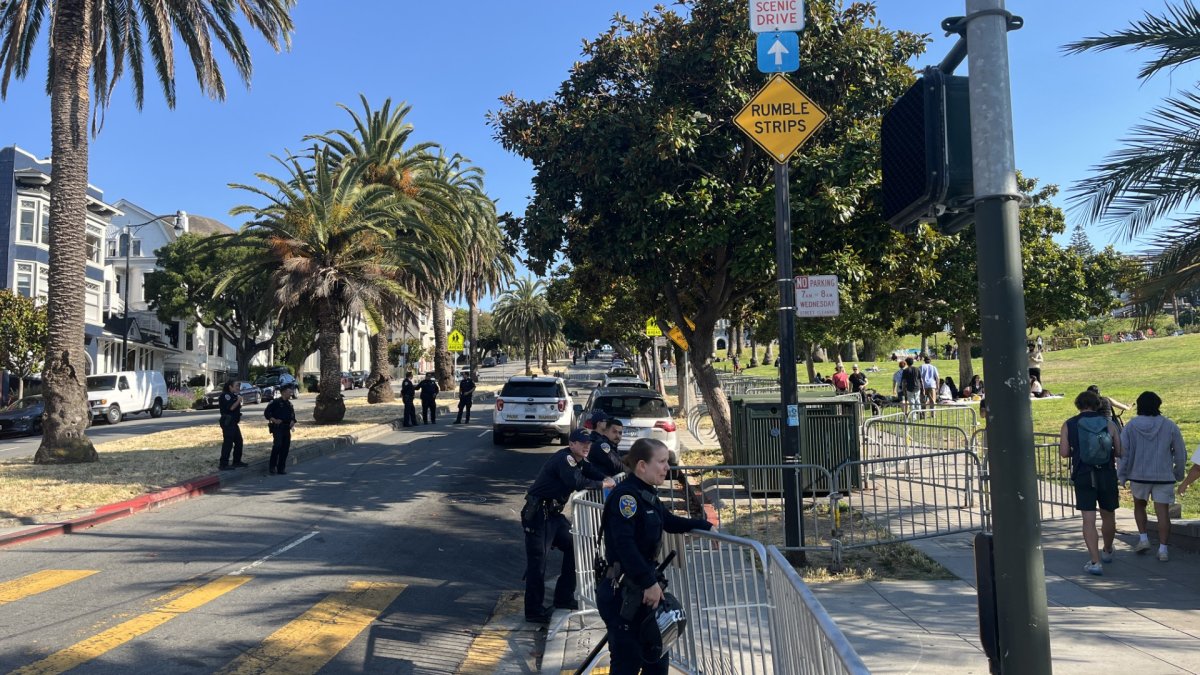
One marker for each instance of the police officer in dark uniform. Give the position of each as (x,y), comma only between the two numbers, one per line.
(545,526)
(429,391)
(634,521)
(603,454)
(408,392)
(466,395)
(281,419)
(230,405)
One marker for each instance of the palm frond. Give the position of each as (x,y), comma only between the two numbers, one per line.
(1172,34)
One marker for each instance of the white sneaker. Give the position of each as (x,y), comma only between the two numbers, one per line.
(1162,556)
(1093,568)
(1143,545)
(1106,556)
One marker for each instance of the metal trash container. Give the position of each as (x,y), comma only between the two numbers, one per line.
(828,432)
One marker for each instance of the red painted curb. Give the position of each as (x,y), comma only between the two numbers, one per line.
(32,534)
(86,522)
(175,492)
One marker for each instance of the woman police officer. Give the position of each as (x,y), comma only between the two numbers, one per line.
(634,520)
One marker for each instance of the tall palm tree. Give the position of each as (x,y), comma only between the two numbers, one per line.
(332,239)
(378,140)
(1157,174)
(94,40)
(486,266)
(521,313)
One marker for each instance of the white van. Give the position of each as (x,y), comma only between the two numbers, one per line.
(115,395)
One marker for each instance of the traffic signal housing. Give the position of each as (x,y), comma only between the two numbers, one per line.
(926,155)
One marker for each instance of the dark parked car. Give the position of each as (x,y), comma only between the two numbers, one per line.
(250,395)
(23,416)
(358,378)
(488,362)
(267,384)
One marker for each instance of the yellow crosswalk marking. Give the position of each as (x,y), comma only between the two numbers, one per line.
(38,582)
(98,645)
(490,646)
(310,641)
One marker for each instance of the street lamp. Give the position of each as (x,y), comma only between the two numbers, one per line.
(181,219)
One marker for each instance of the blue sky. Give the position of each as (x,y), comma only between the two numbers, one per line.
(451,61)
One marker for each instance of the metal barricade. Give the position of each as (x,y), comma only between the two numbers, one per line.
(890,437)
(1056,493)
(587,511)
(962,416)
(806,641)
(814,387)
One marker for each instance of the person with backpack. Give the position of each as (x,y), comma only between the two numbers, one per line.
(1154,460)
(1093,444)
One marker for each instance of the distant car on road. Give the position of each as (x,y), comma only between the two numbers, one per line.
(250,395)
(347,380)
(267,385)
(358,378)
(488,362)
(643,413)
(23,416)
(533,406)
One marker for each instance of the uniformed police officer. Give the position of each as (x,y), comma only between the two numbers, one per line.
(230,405)
(603,454)
(545,526)
(466,396)
(429,390)
(634,521)
(408,392)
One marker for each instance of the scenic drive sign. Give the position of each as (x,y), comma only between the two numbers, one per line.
(780,118)
(772,16)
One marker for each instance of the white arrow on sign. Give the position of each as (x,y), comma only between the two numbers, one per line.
(778,50)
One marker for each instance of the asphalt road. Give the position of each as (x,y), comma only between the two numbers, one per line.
(386,558)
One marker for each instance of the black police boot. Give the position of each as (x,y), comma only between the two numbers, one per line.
(572,605)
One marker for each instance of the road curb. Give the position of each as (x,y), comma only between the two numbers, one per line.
(44,525)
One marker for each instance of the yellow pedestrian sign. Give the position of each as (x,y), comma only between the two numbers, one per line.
(652,329)
(454,341)
(780,118)
(677,337)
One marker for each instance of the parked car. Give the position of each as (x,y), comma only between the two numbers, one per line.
(23,416)
(635,382)
(250,395)
(358,378)
(533,406)
(347,380)
(267,385)
(488,362)
(501,358)
(644,414)
(115,395)
(621,371)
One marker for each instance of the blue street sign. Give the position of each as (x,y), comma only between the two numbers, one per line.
(778,52)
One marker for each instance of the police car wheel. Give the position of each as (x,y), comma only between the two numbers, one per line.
(497,438)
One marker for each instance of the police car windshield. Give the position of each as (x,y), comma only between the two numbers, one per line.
(548,389)
(632,406)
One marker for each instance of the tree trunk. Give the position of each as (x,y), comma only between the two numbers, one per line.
(528,347)
(681,383)
(714,398)
(768,359)
(379,382)
(66,418)
(964,343)
(443,365)
(808,362)
(330,407)
(20,387)
(474,352)
(852,351)
(545,358)
(753,352)
(924,345)
(869,349)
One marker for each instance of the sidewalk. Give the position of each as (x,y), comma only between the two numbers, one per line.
(1139,617)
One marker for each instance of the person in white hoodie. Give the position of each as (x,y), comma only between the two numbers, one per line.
(1153,461)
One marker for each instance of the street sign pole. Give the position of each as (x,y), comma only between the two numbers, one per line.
(789,435)
(1024,637)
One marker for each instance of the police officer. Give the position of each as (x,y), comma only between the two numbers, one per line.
(281,419)
(230,405)
(466,394)
(408,392)
(603,454)
(429,391)
(634,521)
(545,525)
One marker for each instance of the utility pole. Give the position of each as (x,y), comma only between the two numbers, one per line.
(1024,637)
(789,433)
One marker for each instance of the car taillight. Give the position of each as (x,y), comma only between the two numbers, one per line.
(666,425)
(562,404)
(499,404)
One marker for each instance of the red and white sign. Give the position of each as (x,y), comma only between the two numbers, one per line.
(771,16)
(817,295)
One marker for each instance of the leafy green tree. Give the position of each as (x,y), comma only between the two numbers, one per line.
(94,40)
(185,288)
(640,171)
(486,339)
(23,329)
(415,351)
(1154,176)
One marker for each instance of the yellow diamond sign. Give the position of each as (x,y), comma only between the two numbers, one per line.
(454,341)
(780,118)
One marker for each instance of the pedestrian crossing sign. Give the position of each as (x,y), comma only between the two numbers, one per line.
(454,341)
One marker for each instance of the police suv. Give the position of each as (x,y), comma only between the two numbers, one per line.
(533,406)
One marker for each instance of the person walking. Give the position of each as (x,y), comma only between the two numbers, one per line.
(841,381)
(466,396)
(281,419)
(929,382)
(858,381)
(1093,445)
(428,390)
(230,405)
(910,384)
(897,380)
(408,391)
(633,524)
(1153,461)
(1110,407)
(546,527)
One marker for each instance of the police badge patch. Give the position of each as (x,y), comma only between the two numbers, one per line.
(571,460)
(605,447)
(628,506)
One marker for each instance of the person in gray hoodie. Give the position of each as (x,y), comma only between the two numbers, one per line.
(1153,461)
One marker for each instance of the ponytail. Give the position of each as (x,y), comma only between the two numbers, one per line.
(642,450)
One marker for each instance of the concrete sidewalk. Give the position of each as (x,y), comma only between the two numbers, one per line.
(1141,616)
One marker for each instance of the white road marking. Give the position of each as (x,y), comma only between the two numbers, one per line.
(426,469)
(272,554)
(483,433)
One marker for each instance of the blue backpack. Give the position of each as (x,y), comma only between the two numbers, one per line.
(1095,442)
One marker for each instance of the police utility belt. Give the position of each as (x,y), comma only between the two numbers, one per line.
(552,507)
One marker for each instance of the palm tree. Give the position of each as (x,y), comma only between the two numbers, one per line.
(94,40)
(486,266)
(522,313)
(379,142)
(1157,174)
(332,240)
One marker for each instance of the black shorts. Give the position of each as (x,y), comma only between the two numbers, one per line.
(1096,487)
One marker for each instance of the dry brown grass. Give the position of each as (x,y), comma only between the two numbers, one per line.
(134,466)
